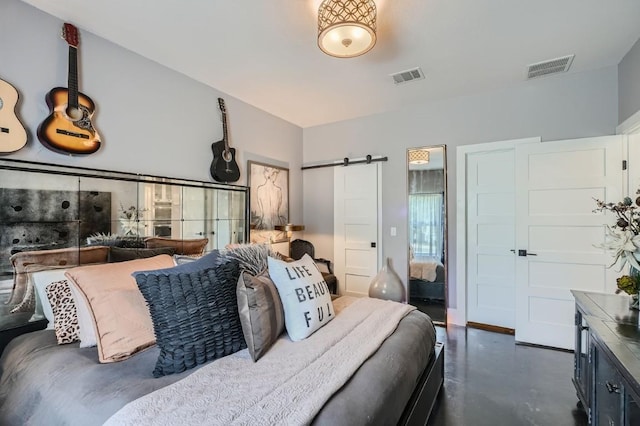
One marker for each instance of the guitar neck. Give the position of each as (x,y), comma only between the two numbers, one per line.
(224,132)
(73,78)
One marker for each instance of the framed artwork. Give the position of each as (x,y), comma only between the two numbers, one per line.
(268,195)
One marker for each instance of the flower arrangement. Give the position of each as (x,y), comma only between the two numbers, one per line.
(129,219)
(623,239)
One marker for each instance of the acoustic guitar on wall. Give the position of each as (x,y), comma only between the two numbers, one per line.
(13,135)
(69,129)
(224,167)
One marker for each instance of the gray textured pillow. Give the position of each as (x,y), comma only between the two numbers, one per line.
(261,312)
(195,315)
(251,257)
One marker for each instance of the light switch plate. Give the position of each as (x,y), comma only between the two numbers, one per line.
(394,231)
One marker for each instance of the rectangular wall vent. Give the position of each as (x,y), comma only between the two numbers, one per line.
(407,76)
(552,66)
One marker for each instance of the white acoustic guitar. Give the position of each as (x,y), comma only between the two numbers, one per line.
(13,136)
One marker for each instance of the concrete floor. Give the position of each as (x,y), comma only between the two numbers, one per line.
(489,380)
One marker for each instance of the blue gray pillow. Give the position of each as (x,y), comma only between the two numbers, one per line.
(194,313)
(120,254)
(209,260)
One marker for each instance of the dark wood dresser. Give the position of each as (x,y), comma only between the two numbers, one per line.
(607,358)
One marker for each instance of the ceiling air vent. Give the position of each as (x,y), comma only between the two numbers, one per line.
(407,76)
(552,66)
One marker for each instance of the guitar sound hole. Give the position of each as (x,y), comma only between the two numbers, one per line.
(74,113)
(226,156)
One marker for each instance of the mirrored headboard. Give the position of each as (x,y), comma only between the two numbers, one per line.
(47,208)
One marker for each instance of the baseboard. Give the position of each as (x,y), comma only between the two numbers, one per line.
(494,328)
(454,317)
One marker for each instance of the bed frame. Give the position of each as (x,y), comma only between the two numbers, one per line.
(424,396)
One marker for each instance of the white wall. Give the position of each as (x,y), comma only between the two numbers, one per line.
(556,107)
(151,119)
(629,83)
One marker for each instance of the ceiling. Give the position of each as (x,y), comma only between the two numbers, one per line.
(264,52)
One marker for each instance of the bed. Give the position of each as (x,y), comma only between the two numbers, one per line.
(427,279)
(43,382)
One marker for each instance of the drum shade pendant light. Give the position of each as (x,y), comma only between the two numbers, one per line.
(419,156)
(346,28)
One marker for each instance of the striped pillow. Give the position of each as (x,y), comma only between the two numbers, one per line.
(261,312)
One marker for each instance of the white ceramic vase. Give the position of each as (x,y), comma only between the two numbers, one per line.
(387,284)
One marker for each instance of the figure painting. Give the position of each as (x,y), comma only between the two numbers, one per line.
(269,195)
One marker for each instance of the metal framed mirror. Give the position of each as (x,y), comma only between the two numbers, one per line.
(427,230)
(54,216)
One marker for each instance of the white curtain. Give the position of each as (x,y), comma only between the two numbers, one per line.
(426,225)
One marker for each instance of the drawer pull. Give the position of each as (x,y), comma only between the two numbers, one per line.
(612,388)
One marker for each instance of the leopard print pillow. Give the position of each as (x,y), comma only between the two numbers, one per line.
(65,317)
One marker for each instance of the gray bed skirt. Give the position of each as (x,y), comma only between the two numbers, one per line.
(43,383)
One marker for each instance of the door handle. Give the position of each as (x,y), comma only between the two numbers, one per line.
(524,253)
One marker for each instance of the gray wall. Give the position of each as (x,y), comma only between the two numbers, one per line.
(557,107)
(151,119)
(629,83)
(155,120)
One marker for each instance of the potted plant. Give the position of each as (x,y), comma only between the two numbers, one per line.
(623,240)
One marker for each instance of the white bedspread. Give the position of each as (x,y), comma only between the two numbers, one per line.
(423,269)
(289,385)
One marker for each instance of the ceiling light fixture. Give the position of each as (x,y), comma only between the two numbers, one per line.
(419,156)
(346,28)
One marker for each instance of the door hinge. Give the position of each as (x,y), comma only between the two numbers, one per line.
(624,164)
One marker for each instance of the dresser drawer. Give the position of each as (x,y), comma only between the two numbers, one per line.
(609,392)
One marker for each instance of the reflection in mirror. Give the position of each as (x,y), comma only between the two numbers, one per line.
(427,234)
(57,217)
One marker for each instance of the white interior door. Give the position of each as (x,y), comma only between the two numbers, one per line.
(634,164)
(556,186)
(491,237)
(356,228)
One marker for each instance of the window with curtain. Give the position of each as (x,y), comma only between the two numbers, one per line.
(426,225)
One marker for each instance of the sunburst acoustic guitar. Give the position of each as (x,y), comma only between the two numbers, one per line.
(68,129)
(13,136)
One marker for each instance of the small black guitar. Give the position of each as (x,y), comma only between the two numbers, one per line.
(224,167)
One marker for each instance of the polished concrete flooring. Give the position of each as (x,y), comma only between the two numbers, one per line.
(489,380)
